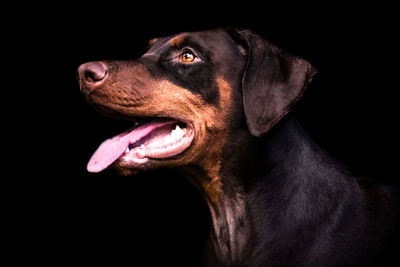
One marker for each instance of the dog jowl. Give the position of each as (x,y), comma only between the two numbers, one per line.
(214,105)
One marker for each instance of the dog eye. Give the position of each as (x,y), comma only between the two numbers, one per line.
(188,57)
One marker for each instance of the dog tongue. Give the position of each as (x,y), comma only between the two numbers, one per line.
(111,149)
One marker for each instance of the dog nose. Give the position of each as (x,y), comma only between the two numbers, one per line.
(91,75)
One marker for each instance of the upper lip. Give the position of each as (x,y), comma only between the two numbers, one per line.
(138,120)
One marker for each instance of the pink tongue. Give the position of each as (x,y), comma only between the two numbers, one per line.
(111,149)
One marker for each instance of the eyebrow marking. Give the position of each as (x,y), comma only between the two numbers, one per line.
(152,41)
(176,41)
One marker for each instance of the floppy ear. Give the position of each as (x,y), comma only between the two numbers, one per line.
(272,82)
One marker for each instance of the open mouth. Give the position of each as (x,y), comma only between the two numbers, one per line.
(157,139)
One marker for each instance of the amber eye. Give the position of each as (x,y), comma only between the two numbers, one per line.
(188,57)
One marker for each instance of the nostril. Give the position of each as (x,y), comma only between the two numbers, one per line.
(91,77)
(93,72)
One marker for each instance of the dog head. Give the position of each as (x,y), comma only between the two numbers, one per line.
(187,94)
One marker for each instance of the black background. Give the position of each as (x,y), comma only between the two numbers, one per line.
(65,214)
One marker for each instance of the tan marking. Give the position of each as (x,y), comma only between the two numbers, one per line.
(176,41)
(214,141)
(212,162)
(152,41)
(225,95)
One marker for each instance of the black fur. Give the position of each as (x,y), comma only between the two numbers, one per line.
(302,207)
(285,202)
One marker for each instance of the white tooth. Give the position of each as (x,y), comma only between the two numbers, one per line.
(181,133)
(127,150)
(178,131)
(173,134)
(142,146)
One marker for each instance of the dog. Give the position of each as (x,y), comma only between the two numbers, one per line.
(215,106)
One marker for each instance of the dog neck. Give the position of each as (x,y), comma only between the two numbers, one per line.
(250,190)
(229,231)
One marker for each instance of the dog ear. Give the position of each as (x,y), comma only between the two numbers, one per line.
(272,81)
